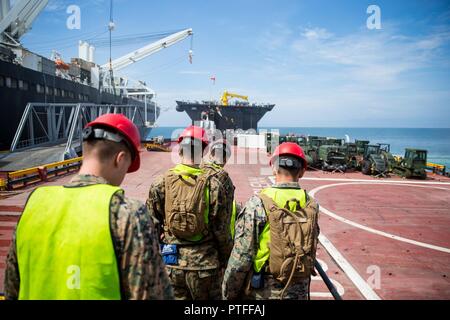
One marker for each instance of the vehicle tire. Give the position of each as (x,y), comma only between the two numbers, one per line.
(366,167)
(408,174)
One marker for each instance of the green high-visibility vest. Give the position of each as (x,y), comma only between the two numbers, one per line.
(233,219)
(64,246)
(185,171)
(280,196)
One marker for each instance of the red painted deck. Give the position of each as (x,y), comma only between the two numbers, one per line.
(381,238)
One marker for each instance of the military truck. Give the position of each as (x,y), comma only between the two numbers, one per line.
(373,162)
(361,146)
(351,154)
(332,158)
(385,149)
(335,142)
(413,165)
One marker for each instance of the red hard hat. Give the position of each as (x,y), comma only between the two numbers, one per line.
(194,133)
(127,129)
(289,149)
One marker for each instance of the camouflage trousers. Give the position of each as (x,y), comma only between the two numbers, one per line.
(272,290)
(196,285)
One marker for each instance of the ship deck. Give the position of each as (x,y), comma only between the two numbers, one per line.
(380,238)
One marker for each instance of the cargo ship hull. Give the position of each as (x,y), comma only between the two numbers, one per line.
(244,117)
(20,86)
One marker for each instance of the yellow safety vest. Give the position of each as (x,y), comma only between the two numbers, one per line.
(280,196)
(64,246)
(233,219)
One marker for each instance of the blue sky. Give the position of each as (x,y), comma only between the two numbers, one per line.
(316,60)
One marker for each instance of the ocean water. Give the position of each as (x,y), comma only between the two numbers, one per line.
(436,140)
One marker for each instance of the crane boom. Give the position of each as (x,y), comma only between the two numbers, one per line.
(16,21)
(227,95)
(148,50)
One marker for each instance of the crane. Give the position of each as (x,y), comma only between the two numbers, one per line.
(148,50)
(15,21)
(227,95)
(138,55)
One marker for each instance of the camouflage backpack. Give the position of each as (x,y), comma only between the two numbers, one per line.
(221,175)
(293,239)
(185,205)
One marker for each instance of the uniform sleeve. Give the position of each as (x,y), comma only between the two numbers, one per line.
(220,218)
(155,201)
(143,274)
(249,224)
(12,278)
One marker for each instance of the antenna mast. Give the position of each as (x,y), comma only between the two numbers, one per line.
(111,27)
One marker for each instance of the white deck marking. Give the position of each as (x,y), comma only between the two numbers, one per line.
(351,273)
(376,181)
(368,229)
(340,289)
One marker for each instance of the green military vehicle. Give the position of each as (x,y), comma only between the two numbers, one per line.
(351,153)
(413,165)
(361,146)
(385,149)
(373,162)
(335,142)
(332,158)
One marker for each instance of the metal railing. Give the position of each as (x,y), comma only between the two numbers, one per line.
(31,176)
(44,124)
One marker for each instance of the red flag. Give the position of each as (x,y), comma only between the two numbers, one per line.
(213,78)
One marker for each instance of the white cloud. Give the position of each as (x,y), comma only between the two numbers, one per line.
(195,72)
(56,5)
(276,37)
(316,34)
(375,78)
(381,55)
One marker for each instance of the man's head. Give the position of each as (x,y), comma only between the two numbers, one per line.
(288,162)
(111,148)
(220,152)
(193,142)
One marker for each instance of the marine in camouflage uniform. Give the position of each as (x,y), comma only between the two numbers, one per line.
(141,270)
(213,164)
(197,271)
(198,274)
(212,167)
(236,283)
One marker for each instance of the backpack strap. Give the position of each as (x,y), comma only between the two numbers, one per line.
(268,203)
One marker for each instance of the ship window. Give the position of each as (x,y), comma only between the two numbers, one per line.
(39,88)
(23,85)
(2,81)
(63,93)
(49,90)
(11,82)
(80,97)
(57,92)
(86,98)
(71,95)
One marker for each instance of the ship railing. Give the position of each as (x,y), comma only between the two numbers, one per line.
(47,124)
(30,176)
